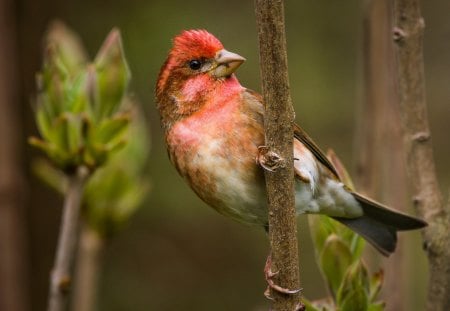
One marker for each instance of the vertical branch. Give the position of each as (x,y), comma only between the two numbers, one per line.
(87,274)
(427,197)
(379,145)
(278,123)
(61,276)
(13,286)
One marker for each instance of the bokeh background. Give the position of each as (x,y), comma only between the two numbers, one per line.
(176,253)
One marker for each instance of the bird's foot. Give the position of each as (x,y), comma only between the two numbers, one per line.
(268,159)
(269,274)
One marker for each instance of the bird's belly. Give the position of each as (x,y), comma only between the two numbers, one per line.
(330,198)
(222,171)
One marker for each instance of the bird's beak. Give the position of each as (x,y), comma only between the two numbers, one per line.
(227,62)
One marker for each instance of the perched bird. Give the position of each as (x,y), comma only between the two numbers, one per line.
(213,128)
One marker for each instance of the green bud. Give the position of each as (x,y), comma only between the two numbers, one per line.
(321,227)
(335,259)
(113,76)
(43,121)
(376,281)
(111,131)
(52,177)
(51,84)
(356,279)
(355,300)
(378,306)
(67,46)
(117,189)
(310,305)
(357,245)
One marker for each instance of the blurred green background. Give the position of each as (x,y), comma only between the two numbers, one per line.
(178,254)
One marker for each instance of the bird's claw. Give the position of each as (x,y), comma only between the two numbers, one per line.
(272,285)
(268,159)
(300,307)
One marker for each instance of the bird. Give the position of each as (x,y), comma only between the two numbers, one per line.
(213,129)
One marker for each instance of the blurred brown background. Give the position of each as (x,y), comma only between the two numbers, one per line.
(178,254)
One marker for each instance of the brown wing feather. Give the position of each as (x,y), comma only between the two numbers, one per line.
(301,136)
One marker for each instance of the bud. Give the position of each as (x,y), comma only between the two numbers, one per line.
(335,259)
(354,289)
(117,189)
(67,46)
(113,76)
(375,284)
(77,103)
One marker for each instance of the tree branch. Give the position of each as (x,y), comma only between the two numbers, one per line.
(278,123)
(379,140)
(61,277)
(88,270)
(427,197)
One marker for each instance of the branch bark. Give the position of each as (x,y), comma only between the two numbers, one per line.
(379,143)
(90,253)
(61,276)
(427,197)
(278,124)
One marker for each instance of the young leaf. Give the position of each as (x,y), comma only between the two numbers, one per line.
(113,75)
(67,45)
(334,261)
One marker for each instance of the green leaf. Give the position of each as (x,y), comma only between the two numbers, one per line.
(67,45)
(43,122)
(357,245)
(51,92)
(77,98)
(356,277)
(40,144)
(378,306)
(74,135)
(113,75)
(335,259)
(111,130)
(321,228)
(117,189)
(356,300)
(53,177)
(309,305)
(376,281)
(95,155)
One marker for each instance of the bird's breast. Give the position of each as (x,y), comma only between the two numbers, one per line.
(215,153)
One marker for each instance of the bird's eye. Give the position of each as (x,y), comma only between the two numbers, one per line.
(195,64)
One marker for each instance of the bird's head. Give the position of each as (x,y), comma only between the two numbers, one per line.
(195,53)
(196,67)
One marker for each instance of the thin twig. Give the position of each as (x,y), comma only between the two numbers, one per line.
(61,276)
(426,194)
(278,123)
(88,269)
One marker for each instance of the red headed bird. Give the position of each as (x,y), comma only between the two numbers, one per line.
(213,128)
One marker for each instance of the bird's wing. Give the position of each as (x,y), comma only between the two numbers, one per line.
(302,137)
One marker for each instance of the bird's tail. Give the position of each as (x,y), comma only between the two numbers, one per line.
(379,224)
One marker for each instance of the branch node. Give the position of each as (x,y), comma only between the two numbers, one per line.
(269,159)
(399,34)
(416,200)
(421,137)
(65,283)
